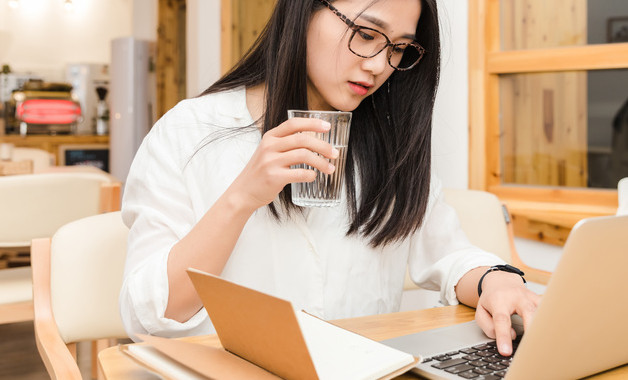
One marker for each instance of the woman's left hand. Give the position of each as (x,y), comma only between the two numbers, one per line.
(504,294)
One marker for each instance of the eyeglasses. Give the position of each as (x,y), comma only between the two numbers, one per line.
(367,42)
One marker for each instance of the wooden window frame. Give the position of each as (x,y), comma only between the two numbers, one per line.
(557,207)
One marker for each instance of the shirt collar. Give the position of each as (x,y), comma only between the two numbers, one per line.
(235,104)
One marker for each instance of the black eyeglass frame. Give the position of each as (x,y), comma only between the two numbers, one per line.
(355,28)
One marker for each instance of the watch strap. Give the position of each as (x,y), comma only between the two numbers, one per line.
(503,268)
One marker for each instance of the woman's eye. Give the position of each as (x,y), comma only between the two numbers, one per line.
(399,49)
(365,36)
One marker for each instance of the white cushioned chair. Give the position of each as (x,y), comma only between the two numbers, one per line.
(622,196)
(487,224)
(35,206)
(77,276)
(42,159)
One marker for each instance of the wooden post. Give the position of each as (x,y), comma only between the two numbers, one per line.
(171,54)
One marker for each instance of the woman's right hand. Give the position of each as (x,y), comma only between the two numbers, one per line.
(268,171)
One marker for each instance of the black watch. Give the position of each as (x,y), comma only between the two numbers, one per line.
(504,268)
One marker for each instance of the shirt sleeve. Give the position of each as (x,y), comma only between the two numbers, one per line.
(158,212)
(440,253)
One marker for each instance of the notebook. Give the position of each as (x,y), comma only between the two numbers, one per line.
(266,337)
(579,328)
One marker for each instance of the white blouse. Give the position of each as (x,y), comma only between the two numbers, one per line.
(307,259)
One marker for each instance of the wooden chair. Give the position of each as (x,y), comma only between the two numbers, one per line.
(77,276)
(35,206)
(622,196)
(487,224)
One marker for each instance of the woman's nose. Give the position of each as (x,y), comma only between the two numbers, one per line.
(376,64)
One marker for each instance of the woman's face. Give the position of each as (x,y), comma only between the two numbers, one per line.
(339,79)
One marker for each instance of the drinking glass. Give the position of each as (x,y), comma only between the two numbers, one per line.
(326,189)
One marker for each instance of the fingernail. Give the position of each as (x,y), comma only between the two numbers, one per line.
(505,349)
(335,153)
(326,124)
(331,168)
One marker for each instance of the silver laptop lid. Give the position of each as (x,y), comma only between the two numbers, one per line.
(580,326)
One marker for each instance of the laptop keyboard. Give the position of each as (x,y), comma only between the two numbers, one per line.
(480,362)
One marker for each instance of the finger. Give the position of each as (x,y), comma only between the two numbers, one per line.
(299,124)
(300,175)
(305,156)
(527,311)
(503,333)
(485,321)
(303,140)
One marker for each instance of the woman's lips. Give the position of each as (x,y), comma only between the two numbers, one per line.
(360,88)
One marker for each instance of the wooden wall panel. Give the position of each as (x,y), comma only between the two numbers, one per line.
(242,22)
(170,64)
(543,141)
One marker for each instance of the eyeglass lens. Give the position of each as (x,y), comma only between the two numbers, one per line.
(367,43)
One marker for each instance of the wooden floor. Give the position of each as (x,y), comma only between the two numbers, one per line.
(19,359)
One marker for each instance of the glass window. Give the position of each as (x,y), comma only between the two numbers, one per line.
(538,24)
(564,128)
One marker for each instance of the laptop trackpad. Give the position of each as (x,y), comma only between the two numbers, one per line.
(437,341)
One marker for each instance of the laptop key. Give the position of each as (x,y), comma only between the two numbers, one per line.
(468,350)
(478,363)
(452,353)
(488,377)
(484,353)
(482,347)
(459,368)
(482,371)
(441,358)
(500,373)
(472,357)
(496,367)
(449,363)
(468,374)
(491,359)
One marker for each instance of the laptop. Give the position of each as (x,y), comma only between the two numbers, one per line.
(579,329)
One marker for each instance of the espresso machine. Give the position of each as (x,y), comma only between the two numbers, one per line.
(40,107)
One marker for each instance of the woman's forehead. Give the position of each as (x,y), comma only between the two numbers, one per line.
(399,16)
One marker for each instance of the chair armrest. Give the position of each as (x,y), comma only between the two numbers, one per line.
(110,197)
(538,276)
(56,356)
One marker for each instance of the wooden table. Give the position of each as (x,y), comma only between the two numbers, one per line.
(52,143)
(117,366)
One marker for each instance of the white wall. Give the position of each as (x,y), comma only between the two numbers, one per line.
(42,37)
(203,45)
(450,149)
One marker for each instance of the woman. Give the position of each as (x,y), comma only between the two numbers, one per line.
(208,187)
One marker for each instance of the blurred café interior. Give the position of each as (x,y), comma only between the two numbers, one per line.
(532,107)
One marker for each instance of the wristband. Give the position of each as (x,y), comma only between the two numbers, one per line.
(503,268)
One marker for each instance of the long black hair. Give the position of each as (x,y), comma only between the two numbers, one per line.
(387,172)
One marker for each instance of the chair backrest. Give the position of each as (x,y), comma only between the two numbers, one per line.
(77,276)
(86,267)
(41,158)
(486,222)
(36,205)
(622,196)
(483,219)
